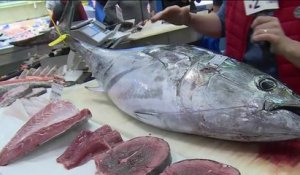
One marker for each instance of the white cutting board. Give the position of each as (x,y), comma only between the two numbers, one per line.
(42,161)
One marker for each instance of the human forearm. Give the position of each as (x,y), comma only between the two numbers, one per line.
(292,52)
(207,24)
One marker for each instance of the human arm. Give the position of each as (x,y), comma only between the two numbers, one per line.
(207,24)
(268,28)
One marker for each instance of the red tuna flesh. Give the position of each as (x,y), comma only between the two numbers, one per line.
(87,144)
(51,121)
(200,167)
(139,156)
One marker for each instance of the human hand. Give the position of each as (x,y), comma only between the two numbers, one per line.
(268,28)
(174,15)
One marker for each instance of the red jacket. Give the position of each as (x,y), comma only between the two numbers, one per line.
(79,14)
(237,30)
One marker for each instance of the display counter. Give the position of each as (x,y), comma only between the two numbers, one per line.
(12,11)
(249,158)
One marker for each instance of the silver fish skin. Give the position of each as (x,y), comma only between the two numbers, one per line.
(176,89)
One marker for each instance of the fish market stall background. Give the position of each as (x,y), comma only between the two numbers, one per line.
(282,158)
(11,57)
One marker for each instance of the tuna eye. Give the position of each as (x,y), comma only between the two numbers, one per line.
(267,84)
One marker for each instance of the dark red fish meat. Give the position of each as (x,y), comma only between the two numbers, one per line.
(200,167)
(53,120)
(139,156)
(87,144)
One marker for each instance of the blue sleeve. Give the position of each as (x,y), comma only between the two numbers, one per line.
(221,14)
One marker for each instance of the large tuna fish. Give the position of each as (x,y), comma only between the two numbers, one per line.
(190,90)
(184,89)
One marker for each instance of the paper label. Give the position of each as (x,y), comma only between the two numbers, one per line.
(217,60)
(119,13)
(70,60)
(56,89)
(256,6)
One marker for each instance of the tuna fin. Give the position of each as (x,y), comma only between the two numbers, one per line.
(98,88)
(149,116)
(95,89)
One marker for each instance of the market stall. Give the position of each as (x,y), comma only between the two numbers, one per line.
(113,99)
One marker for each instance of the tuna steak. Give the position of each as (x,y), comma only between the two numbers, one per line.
(53,120)
(138,156)
(185,89)
(200,167)
(88,144)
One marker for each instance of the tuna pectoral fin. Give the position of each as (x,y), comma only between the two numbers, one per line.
(95,89)
(149,117)
(144,114)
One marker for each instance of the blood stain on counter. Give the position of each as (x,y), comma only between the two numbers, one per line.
(285,152)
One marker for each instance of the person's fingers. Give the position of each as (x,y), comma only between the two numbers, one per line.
(273,31)
(157,16)
(169,11)
(265,37)
(262,19)
(268,25)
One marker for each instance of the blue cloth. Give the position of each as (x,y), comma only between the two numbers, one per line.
(210,44)
(99,12)
(257,55)
(158,6)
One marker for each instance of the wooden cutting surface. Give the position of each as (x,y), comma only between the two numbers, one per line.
(248,158)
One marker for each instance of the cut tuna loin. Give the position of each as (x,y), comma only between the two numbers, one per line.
(139,156)
(13,94)
(51,121)
(87,144)
(32,81)
(200,167)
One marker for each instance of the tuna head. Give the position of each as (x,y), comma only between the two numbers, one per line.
(175,88)
(280,110)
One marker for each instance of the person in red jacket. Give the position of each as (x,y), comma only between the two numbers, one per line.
(244,35)
(58,9)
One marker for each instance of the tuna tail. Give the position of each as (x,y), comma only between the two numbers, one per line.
(84,49)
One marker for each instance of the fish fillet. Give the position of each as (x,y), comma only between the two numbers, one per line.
(88,144)
(51,121)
